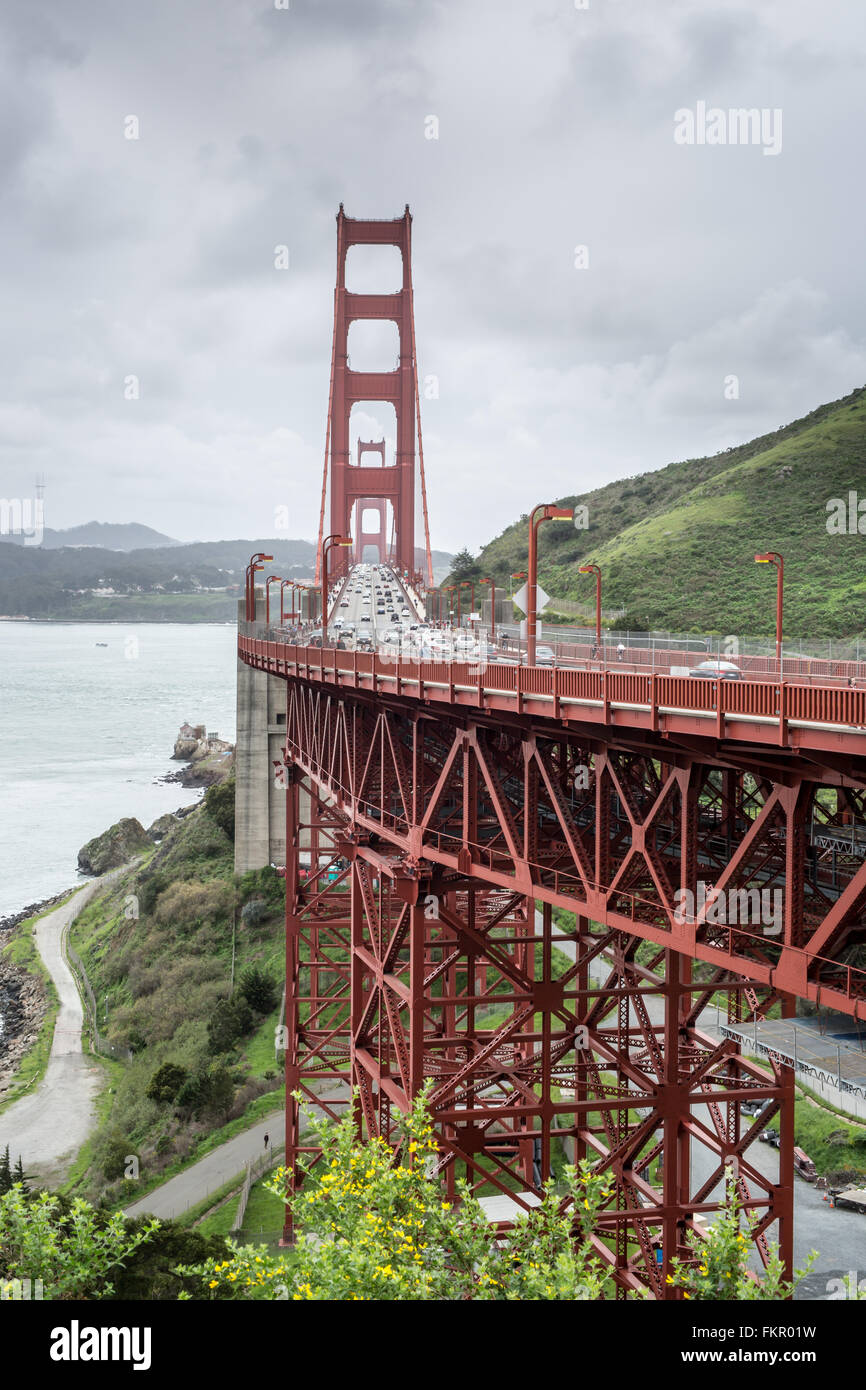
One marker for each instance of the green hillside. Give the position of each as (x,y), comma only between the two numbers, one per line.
(174,991)
(677,546)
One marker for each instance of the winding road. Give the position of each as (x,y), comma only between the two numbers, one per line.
(49,1126)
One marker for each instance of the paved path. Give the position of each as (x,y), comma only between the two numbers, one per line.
(49,1126)
(186,1190)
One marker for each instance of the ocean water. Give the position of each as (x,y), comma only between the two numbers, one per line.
(86,731)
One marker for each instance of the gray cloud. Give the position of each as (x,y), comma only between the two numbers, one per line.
(155,257)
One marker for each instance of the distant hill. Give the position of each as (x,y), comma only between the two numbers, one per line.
(107,535)
(677,546)
(170,583)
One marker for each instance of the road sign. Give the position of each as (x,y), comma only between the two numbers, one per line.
(521,598)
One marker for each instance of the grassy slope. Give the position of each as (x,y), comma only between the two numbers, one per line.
(677,546)
(158,980)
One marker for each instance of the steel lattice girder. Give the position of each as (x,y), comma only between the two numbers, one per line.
(612,832)
(420,951)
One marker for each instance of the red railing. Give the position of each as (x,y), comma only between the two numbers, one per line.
(789,701)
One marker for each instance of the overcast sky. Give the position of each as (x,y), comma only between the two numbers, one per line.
(154,257)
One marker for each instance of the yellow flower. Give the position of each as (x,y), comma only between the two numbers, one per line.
(213,1283)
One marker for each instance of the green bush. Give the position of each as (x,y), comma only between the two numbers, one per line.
(259,989)
(219,802)
(231,1019)
(191,902)
(166,1082)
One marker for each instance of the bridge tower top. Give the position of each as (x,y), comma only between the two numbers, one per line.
(393,485)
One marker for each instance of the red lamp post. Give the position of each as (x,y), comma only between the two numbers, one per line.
(545,511)
(282,587)
(492,607)
(594,569)
(772,557)
(468,584)
(331,543)
(450,590)
(272,579)
(250,583)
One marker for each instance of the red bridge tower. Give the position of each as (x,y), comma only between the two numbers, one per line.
(351,484)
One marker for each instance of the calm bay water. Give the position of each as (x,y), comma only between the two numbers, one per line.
(86,731)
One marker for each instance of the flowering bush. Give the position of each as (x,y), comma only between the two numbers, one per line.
(370,1227)
(721,1270)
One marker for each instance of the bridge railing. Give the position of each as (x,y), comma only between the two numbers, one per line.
(785,701)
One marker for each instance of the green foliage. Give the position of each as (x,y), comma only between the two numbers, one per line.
(5,1172)
(68,1245)
(219,803)
(166,1082)
(677,545)
(373,1228)
(464,567)
(112,1155)
(719,1270)
(191,903)
(231,1019)
(264,884)
(211,1089)
(259,989)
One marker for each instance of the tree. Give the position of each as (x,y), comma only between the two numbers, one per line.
(371,1227)
(5,1172)
(219,801)
(231,1019)
(20,1176)
(166,1082)
(259,989)
(463,566)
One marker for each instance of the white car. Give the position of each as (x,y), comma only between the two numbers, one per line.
(344,603)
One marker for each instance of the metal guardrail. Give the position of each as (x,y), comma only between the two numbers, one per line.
(253,1171)
(97,1041)
(771,701)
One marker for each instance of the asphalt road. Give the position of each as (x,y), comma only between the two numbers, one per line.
(48,1126)
(195,1183)
(357,610)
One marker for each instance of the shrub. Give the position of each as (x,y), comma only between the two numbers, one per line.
(232,1018)
(254,912)
(192,902)
(259,989)
(113,1156)
(219,801)
(166,1082)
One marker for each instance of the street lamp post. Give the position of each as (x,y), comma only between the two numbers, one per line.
(271,579)
(450,590)
(594,569)
(772,557)
(331,543)
(469,584)
(282,587)
(250,587)
(492,607)
(545,511)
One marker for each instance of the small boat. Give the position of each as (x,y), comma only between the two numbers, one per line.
(102,644)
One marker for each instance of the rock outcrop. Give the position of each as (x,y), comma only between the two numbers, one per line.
(113,847)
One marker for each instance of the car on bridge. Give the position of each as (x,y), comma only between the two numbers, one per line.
(717,670)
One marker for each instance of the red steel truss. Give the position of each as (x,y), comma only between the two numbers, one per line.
(494,905)
(395,483)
